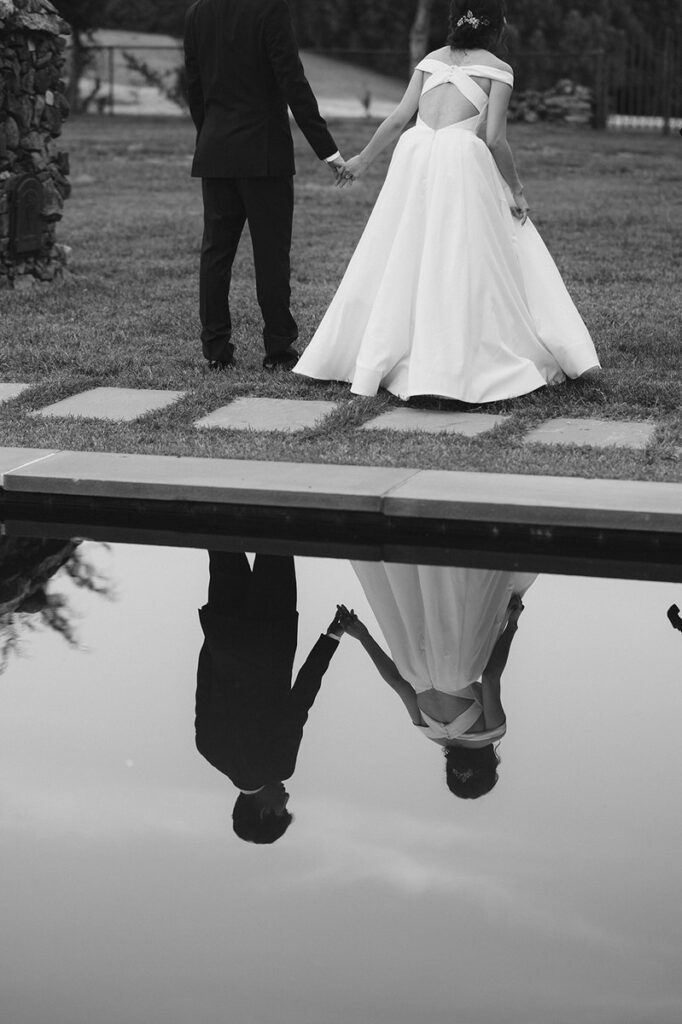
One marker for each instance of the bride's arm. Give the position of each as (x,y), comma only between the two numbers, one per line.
(496,139)
(385,667)
(389,130)
(491,680)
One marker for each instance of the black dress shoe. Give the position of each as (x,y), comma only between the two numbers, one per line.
(281,360)
(222,364)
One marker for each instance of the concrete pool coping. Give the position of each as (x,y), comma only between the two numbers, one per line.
(30,475)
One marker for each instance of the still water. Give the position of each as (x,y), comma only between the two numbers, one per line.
(127,897)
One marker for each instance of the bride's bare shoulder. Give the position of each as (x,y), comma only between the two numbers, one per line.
(496,62)
(442,53)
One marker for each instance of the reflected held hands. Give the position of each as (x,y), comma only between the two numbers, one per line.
(352,624)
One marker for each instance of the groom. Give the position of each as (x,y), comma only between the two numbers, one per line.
(243,70)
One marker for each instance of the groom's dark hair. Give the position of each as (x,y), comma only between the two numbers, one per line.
(482,23)
(252,826)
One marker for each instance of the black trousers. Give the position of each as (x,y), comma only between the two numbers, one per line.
(267,591)
(268,206)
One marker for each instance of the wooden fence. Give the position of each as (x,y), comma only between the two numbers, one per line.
(635,86)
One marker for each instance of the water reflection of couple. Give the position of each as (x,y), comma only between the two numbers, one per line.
(449,631)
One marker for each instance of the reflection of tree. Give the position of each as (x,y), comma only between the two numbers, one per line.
(27,600)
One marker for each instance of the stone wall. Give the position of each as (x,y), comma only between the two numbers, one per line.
(566,101)
(32,110)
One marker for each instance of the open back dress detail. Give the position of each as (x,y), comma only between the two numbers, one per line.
(441,624)
(447,293)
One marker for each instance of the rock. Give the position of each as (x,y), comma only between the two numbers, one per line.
(33,142)
(63,253)
(43,79)
(45,271)
(39,162)
(11,133)
(38,108)
(24,283)
(53,121)
(21,109)
(53,203)
(38,23)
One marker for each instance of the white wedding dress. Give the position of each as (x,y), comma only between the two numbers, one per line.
(447,293)
(441,624)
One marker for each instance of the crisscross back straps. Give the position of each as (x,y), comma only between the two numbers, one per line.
(443,74)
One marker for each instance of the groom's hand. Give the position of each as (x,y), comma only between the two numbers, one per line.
(337,627)
(337,167)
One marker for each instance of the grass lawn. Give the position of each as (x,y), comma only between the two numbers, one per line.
(608,206)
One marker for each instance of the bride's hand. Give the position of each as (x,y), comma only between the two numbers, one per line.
(354,169)
(520,209)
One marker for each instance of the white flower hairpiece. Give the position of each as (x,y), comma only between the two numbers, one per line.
(470,19)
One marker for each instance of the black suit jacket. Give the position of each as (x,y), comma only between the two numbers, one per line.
(249,718)
(243,69)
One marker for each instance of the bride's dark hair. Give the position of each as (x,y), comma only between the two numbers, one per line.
(476,24)
(471,772)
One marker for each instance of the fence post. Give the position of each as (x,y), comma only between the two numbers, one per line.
(111,81)
(601,92)
(667,72)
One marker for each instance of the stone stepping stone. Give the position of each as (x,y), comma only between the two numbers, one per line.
(121,404)
(10,391)
(284,414)
(598,433)
(468,424)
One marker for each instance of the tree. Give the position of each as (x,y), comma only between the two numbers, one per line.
(420,32)
(166,16)
(83,16)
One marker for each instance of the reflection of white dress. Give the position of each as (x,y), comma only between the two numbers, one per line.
(440,623)
(447,294)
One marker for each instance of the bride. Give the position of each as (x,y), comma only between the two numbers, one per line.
(451,291)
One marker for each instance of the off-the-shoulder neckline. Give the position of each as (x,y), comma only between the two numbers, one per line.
(502,66)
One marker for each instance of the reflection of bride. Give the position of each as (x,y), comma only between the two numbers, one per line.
(449,631)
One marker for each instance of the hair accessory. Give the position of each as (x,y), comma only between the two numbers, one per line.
(463,776)
(470,19)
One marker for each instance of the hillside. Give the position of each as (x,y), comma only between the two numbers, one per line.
(342,89)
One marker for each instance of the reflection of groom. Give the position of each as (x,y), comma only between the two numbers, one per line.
(249,718)
(243,69)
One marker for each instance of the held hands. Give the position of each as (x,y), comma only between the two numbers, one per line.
(352,169)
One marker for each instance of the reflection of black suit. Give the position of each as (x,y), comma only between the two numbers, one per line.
(243,69)
(249,718)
